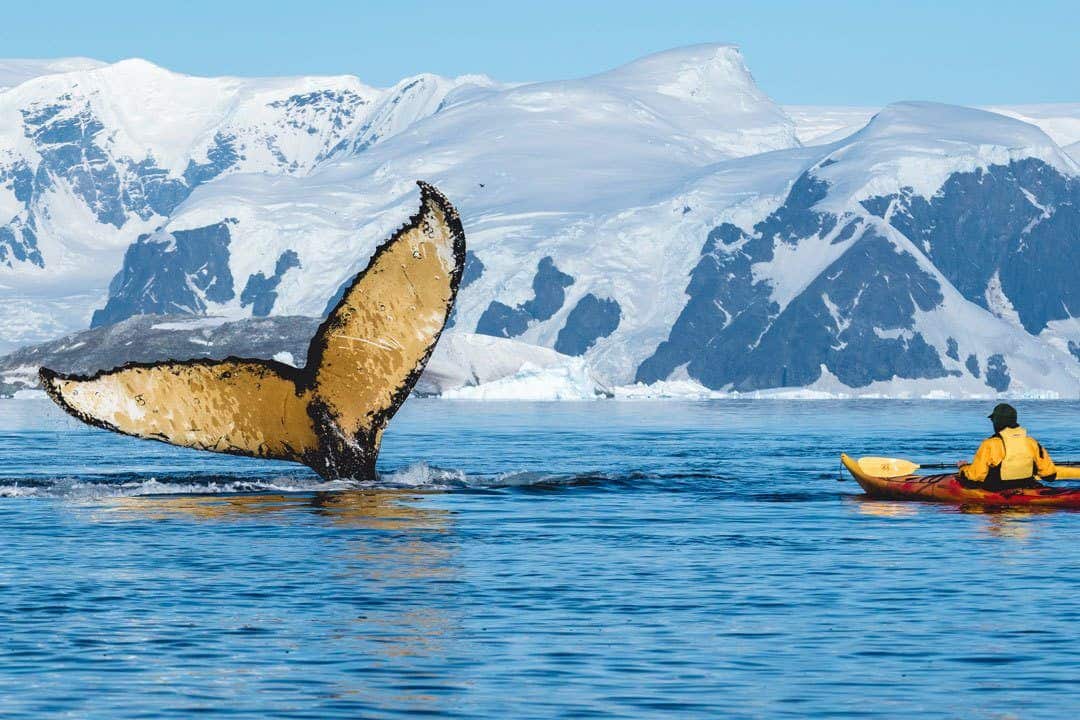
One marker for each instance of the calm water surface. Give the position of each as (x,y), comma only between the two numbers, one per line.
(607,559)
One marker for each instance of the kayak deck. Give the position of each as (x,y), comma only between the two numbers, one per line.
(948,488)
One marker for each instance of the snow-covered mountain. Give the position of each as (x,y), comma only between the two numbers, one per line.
(93,156)
(820,124)
(566,189)
(663,222)
(933,248)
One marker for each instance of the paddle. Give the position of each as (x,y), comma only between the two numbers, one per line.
(883,467)
(946,466)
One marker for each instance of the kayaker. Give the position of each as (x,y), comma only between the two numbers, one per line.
(1009,458)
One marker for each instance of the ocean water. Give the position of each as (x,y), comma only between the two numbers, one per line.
(593,559)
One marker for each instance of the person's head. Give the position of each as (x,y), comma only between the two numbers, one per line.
(1003,416)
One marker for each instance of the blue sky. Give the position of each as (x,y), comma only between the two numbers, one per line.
(831,51)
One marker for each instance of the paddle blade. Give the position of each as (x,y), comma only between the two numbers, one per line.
(882,467)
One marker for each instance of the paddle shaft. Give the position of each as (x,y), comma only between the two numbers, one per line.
(947,466)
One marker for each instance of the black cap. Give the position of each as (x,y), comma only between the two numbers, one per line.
(1004,412)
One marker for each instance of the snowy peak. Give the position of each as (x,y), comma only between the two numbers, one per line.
(151,112)
(528,165)
(408,101)
(699,73)
(705,91)
(936,128)
(96,159)
(94,156)
(918,145)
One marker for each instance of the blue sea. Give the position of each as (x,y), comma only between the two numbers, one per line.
(596,559)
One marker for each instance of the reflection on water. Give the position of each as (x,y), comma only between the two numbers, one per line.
(585,560)
(1008,527)
(382,509)
(376,508)
(886,508)
(1012,523)
(206,507)
(1001,522)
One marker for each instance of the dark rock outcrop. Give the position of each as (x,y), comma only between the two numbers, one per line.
(549,293)
(1020,222)
(590,320)
(169,273)
(261,291)
(855,319)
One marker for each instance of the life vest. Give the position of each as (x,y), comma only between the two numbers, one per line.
(1019,462)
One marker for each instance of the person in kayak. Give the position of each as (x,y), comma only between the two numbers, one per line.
(1009,458)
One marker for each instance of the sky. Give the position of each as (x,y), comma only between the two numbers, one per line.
(836,52)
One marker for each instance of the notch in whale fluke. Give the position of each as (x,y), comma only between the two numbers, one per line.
(361,365)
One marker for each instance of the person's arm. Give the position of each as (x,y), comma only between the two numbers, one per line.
(1043,464)
(980,466)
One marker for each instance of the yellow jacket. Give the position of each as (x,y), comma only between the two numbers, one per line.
(1010,455)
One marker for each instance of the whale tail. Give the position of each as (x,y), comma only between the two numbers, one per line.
(330,415)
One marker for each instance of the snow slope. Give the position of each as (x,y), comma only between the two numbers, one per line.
(1061,121)
(818,124)
(1074,151)
(609,218)
(16,71)
(919,145)
(92,156)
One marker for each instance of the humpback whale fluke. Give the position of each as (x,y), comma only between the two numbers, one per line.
(361,365)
